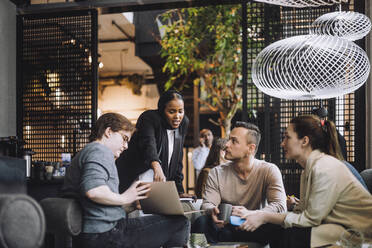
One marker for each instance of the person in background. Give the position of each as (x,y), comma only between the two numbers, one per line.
(155,152)
(246,183)
(322,113)
(200,154)
(93,179)
(331,198)
(215,157)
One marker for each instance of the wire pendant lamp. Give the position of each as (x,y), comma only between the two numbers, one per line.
(302,3)
(346,24)
(310,67)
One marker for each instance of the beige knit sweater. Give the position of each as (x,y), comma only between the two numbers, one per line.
(263,189)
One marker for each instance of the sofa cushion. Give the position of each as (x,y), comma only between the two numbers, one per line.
(22,222)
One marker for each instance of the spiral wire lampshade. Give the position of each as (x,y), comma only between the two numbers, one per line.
(302,3)
(310,67)
(347,25)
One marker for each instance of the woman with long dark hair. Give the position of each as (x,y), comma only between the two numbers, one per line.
(215,157)
(157,144)
(331,198)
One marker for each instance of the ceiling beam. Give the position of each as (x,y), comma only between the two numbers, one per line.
(117,6)
(122,30)
(114,40)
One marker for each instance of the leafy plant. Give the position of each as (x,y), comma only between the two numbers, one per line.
(203,46)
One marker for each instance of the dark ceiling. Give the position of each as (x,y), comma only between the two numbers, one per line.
(116,6)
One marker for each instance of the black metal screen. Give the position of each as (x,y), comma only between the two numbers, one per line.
(271,23)
(57,81)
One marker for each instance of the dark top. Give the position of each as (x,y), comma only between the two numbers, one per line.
(150,143)
(356,174)
(342,143)
(92,167)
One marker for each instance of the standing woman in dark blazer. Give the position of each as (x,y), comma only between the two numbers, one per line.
(157,144)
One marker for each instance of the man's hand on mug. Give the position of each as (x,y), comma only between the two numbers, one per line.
(240,211)
(214,215)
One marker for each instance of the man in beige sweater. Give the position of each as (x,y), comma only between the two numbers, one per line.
(245,183)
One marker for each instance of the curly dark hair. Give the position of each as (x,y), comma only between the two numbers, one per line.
(167,97)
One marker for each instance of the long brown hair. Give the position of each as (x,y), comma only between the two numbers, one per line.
(213,158)
(322,134)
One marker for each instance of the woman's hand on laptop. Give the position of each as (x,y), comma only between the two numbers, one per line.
(158,172)
(137,205)
(137,191)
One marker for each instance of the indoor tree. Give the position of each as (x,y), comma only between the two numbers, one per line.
(203,46)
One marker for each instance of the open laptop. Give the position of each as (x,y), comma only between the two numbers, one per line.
(163,199)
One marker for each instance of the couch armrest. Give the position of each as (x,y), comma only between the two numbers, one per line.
(63,215)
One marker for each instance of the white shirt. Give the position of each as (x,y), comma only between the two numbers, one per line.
(148,176)
(170,144)
(199,156)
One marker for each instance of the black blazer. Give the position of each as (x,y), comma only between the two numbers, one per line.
(150,143)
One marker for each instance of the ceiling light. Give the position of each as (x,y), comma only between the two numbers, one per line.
(346,24)
(310,67)
(302,3)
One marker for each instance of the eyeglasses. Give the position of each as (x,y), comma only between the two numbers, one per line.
(124,136)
